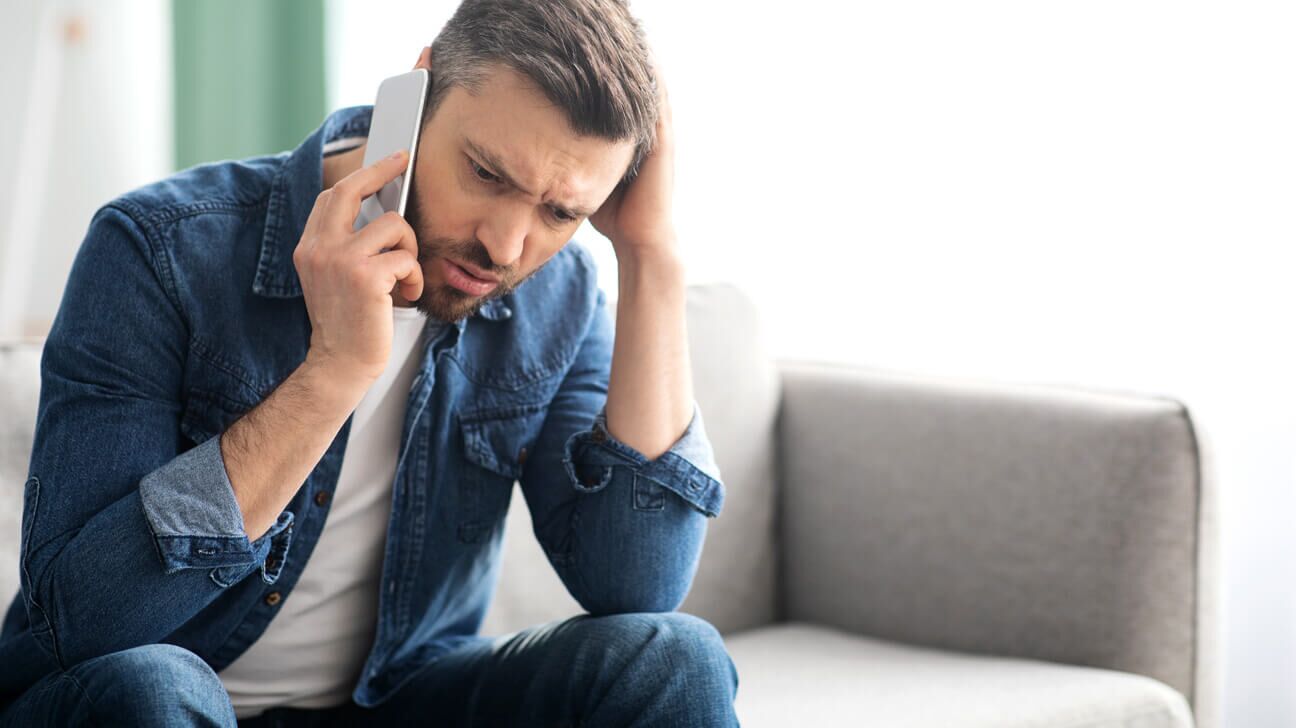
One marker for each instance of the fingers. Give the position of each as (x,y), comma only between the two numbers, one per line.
(393,232)
(360,253)
(400,267)
(343,198)
(389,230)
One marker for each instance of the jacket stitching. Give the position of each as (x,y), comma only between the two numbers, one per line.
(26,568)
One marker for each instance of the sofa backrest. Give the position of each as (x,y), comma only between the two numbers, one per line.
(736,387)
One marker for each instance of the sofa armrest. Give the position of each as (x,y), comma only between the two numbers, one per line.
(1025,520)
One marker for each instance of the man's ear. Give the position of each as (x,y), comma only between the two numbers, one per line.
(424,59)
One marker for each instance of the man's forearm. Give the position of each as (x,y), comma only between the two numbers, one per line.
(271,450)
(650,387)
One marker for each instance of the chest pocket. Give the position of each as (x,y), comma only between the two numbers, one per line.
(495,445)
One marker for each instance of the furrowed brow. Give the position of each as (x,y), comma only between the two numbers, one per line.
(499,169)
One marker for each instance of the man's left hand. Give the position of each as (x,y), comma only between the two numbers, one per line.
(637,216)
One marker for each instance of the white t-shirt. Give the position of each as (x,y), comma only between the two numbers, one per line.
(313,650)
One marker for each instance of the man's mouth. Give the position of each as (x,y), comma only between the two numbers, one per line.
(463,279)
(476,272)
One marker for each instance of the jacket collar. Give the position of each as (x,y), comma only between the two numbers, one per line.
(292,196)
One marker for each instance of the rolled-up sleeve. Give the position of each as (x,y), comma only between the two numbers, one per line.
(688,468)
(623,532)
(197,523)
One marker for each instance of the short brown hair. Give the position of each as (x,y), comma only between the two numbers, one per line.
(589,57)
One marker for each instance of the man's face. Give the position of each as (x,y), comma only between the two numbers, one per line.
(501,182)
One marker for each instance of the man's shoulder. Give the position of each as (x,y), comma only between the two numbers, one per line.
(198,231)
(228,187)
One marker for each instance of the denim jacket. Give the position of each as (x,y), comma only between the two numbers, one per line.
(183,310)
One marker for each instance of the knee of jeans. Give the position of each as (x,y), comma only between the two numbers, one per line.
(154,682)
(683,639)
(692,634)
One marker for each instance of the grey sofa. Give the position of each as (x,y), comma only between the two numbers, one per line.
(899,550)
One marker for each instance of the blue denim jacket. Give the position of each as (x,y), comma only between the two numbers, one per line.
(183,310)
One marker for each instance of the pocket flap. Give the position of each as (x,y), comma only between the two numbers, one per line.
(495,438)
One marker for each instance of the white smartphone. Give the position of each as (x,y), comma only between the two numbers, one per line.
(397,118)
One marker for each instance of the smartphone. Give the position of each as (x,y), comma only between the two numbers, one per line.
(397,118)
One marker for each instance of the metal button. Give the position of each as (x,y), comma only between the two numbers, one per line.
(273,598)
(322,498)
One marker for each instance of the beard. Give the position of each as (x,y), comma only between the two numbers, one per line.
(443,301)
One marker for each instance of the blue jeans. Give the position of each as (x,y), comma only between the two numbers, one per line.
(638,669)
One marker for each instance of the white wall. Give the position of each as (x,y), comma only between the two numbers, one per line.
(108,130)
(1096,193)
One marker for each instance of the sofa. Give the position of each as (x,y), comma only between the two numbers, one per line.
(902,550)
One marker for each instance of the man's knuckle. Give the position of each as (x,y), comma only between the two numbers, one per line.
(345,187)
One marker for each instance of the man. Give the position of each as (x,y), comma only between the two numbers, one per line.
(272,460)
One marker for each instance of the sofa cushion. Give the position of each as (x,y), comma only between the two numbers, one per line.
(797,674)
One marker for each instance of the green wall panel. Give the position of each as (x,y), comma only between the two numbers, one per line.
(249,76)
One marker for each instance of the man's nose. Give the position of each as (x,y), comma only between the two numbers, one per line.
(504,232)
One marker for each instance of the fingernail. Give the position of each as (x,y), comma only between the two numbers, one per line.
(397,155)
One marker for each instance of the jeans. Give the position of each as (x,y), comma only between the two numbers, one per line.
(636,669)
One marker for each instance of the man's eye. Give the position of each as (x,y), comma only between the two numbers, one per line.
(482,173)
(562,216)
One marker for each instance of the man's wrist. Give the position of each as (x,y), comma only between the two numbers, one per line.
(648,247)
(333,382)
(658,266)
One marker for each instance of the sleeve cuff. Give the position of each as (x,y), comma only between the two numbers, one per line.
(687,469)
(693,445)
(268,555)
(197,524)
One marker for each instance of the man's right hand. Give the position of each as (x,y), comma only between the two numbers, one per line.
(347,280)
